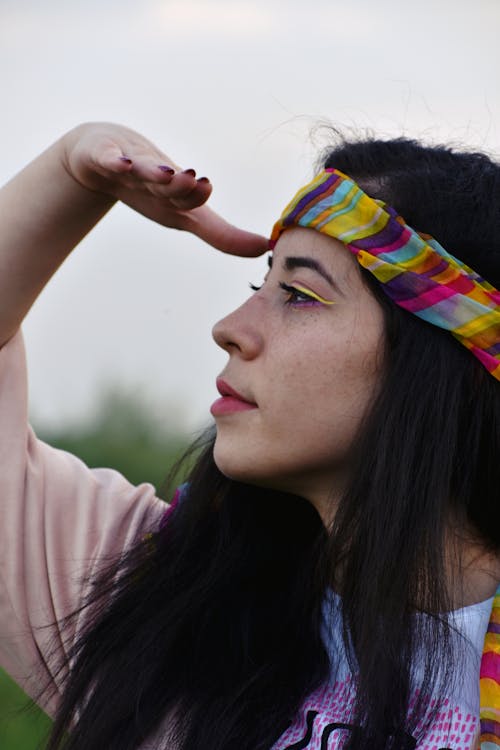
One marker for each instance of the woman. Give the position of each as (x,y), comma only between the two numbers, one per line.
(326,576)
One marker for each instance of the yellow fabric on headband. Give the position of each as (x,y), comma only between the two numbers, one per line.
(412,268)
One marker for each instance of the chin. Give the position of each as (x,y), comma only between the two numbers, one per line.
(229,463)
(234,468)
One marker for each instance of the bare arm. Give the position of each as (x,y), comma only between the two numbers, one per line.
(44,213)
(51,205)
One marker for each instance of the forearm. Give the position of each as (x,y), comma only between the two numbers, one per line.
(44,213)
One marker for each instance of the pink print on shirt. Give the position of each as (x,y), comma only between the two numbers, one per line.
(324,724)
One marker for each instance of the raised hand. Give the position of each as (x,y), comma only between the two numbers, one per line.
(48,207)
(122,164)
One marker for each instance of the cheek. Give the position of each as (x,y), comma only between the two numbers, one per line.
(324,393)
(315,404)
(324,371)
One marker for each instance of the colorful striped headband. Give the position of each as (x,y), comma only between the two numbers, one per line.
(412,268)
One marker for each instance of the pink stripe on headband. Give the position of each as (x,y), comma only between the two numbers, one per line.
(412,268)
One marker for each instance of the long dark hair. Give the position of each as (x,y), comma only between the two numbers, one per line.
(211,633)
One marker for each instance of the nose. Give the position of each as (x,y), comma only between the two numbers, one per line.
(240,332)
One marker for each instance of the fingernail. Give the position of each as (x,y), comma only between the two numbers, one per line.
(189,171)
(202,179)
(166,169)
(126,159)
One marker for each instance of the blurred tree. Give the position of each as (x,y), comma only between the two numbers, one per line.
(127,434)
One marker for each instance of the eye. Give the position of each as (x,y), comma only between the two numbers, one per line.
(298,296)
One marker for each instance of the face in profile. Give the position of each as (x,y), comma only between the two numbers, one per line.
(305,358)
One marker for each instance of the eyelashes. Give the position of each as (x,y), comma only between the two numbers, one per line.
(298,296)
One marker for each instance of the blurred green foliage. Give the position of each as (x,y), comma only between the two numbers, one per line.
(22,725)
(126,434)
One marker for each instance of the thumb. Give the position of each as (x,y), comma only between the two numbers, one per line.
(226,237)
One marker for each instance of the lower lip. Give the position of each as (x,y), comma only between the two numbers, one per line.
(229,405)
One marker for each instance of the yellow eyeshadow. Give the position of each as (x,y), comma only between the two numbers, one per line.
(309,293)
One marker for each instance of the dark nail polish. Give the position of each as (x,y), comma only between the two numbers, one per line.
(166,169)
(189,171)
(203,179)
(126,159)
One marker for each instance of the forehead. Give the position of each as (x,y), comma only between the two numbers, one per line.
(337,260)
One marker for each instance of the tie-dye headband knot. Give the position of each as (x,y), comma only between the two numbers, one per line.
(412,268)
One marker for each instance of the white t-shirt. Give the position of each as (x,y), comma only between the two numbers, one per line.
(455,725)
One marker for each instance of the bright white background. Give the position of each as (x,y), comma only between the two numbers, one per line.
(233,89)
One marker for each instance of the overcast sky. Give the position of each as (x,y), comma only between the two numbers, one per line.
(232,88)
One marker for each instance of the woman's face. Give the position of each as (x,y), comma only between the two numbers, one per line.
(306,359)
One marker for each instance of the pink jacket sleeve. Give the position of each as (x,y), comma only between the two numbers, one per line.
(58,520)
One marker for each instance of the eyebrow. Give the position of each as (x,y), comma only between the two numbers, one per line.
(293,261)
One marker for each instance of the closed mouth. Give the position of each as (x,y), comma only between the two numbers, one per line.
(226,390)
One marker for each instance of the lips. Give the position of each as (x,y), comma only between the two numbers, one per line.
(231,401)
(226,390)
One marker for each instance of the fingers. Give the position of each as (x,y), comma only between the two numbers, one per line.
(187,192)
(224,236)
(145,167)
(244,244)
(158,176)
(112,159)
(182,190)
